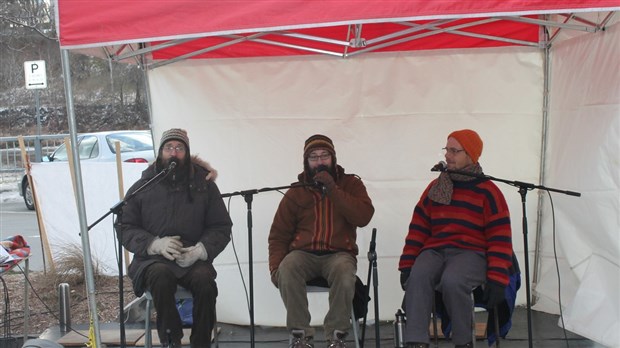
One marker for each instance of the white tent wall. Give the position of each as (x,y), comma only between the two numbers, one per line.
(60,215)
(584,143)
(388,115)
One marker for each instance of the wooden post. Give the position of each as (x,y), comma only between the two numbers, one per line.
(71,165)
(45,246)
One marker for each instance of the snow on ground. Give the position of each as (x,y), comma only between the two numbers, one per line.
(8,187)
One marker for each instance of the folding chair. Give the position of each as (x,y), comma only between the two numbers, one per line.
(180,294)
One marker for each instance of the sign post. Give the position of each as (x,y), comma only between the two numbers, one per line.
(36,78)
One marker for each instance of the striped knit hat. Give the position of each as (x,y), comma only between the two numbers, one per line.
(318,141)
(315,142)
(174,134)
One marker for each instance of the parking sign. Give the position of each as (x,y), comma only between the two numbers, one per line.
(36,77)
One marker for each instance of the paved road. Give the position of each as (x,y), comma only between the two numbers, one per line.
(16,219)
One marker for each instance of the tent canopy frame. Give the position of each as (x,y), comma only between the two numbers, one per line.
(354,38)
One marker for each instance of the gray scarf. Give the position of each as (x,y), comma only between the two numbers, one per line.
(441,191)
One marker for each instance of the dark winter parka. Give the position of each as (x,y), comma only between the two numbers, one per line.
(191,208)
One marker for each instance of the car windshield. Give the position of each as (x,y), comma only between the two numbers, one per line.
(87,148)
(130,142)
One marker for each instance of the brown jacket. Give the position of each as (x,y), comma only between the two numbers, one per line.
(307,219)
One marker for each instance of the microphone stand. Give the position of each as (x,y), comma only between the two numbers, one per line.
(372,267)
(118,210)
(248,195)
(523,188)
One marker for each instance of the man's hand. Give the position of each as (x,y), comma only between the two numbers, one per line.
(190,255)
(404,276)
(326,179)
(494,294)
(274,277)
(168,247)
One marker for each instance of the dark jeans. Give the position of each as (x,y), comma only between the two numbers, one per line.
(162,284)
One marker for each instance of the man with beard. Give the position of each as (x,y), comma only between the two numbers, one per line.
(459,238)
(313,235)
(175,228)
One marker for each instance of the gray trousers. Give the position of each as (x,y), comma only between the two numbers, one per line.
(452,271)
(297,268)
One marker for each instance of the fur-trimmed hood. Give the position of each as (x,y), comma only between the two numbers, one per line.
(212,172)
(206,165)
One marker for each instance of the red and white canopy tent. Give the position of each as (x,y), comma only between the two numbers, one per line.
(216,29)
(287,36)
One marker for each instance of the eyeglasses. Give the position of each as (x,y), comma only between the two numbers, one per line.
(452,150)
(317,157)
(170,148)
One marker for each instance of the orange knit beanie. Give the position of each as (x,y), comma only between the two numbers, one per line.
(470,141)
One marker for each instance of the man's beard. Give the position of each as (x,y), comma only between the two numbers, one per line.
(176,173)
(321,168)
(324,168)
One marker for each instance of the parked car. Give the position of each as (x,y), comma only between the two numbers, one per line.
(136,146)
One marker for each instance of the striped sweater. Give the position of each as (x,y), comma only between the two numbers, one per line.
(477,219)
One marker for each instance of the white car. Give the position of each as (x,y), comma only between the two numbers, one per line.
(136,146)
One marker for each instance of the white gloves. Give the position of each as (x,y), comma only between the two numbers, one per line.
(192,254)
(168,247)
(172,249)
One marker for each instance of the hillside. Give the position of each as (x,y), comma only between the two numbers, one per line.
(21,120)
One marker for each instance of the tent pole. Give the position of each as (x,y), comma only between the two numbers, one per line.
(147,92)
(77,170)
(543,158)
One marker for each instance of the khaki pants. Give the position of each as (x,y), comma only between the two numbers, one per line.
(297,268)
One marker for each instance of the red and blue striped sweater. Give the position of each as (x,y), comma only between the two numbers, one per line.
(477,218)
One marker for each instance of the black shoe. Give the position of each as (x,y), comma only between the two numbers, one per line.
(468,345)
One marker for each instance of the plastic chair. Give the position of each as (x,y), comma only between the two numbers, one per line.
(180,294)
(320,285)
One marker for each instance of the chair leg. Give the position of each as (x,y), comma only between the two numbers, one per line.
(354,323)
(473,320)
(148,339)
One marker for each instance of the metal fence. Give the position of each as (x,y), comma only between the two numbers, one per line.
(36,146)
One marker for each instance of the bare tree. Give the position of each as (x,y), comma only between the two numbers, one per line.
(103,89)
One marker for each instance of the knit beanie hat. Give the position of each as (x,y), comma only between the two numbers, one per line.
(315,142)
(470,141)
(318,141)
(174,134)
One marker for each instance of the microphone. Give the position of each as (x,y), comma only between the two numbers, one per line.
(173,163)
(318,184)
(440,167)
